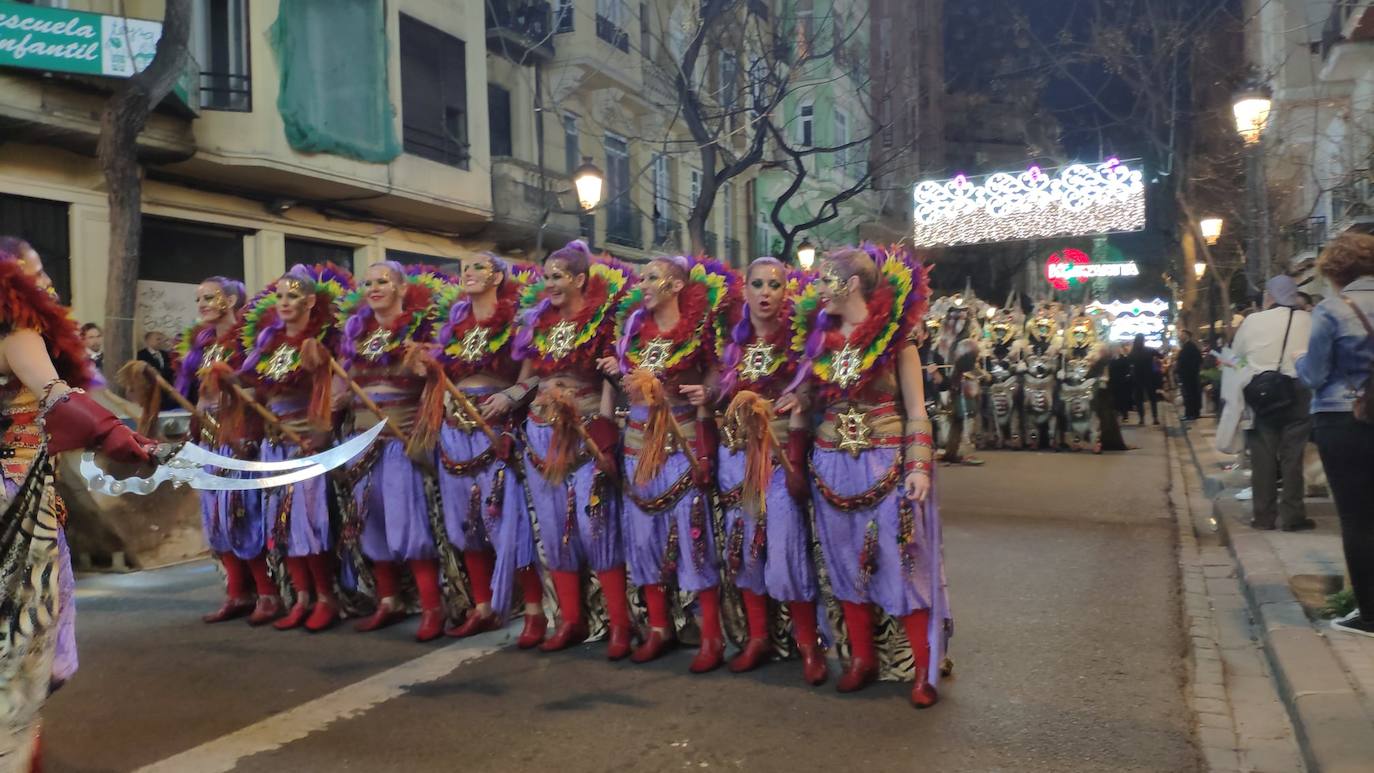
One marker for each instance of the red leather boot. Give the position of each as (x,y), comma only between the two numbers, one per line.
(621,636)
(300,582)
(863,662)
(389,610)
(711,655)
(532,591)
(268,606)
(238,597)
(755,650)
(480,565)
(326,612)
(814,668)
(432,615)
(917,624)
(660,638)
(572,628)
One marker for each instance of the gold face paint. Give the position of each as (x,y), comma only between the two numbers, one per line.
(293,300)
(559,281)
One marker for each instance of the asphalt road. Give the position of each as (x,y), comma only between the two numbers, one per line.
(1068,653)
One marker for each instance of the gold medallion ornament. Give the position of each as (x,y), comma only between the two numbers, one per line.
(854,433)
(758,361)
(654,357)
(213,353)
(561,339)
(474,345)
(375,344)
(844,368)
(282,362)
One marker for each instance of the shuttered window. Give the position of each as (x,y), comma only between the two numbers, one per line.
(434,113)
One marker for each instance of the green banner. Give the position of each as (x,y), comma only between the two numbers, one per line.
(58,40)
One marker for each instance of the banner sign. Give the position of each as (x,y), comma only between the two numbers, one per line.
(57,40)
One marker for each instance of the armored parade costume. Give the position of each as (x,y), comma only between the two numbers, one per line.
(1081,378)
(1039,381)
(1002,356)
(572,446)
(670,447)
(956,357)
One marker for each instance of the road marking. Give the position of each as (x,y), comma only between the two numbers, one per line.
(224,753)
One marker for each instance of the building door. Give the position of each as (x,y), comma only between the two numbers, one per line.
(44,225)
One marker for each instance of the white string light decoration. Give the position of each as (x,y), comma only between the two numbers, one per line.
(1077,201)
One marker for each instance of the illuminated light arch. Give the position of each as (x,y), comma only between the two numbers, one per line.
(1075,200)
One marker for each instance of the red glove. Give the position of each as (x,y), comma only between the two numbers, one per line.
(76,421)
(704,448)
(606,435)
(505,447)
(798,485)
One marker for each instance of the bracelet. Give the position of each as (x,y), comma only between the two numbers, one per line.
(45,407)
(918,446)
(520,390)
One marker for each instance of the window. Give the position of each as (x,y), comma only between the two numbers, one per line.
(564,23)
(407,258)
(611,20)
(885,119)
(309,251)
(806,28)
(662,195)
(841,138)
(728,227)
(219,42)
(434,113)
(696,187)
(758,85)
(806,114)
(185,253)
(620,220)
(572,153)
(44,225)
(498,115)
(729,74)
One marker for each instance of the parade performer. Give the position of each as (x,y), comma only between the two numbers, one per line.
(876,510)
(1039,385)
(234,523)
(1001,360)
(485,511)
(572,438)
(280,327)
(667,332)
(1081,377)
(767,551)
(45,411)
(389,503)
(956,350)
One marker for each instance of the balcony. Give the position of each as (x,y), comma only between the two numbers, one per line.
(732,254)
(1303,240)
(519,203)
(611,32)
(520,30)
(1347,44)
(667,235)
(623,228)
(1352,204)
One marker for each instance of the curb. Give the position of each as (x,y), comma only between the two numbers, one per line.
(1334,733)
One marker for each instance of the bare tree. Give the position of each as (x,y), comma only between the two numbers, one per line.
(125,115)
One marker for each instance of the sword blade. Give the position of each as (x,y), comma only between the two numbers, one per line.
(192,455)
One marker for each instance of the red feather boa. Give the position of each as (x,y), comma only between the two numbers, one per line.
(23,305)
(583,358)
(502,317)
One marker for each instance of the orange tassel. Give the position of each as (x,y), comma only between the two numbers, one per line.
(137,378)
(232,414)
(653,452)
(751,415)
(315,361)
(559,409)
(429,415)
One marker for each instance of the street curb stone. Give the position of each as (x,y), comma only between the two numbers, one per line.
(1331,727)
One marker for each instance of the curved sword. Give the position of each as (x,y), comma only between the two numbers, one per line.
(181,471)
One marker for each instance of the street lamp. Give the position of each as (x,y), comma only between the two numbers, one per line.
(588,180)
(1199,268)
(806,254)
(1211,229)
(1251,106)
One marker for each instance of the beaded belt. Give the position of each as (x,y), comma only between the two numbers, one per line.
(866,499)
(667,499)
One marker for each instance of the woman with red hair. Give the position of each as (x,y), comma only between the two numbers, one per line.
(46,411)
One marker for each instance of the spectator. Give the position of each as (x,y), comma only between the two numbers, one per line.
(154,352)
(1188,369)
(1338,362)
(1144,377)
(94,339)
(1273,339)
(1119,379)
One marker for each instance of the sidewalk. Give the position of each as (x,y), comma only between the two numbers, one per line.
(1325,677)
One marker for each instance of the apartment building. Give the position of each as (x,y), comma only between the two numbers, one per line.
(1317,58)
(261,161)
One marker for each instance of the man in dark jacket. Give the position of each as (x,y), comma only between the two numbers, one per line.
(1189,368)
(154,352)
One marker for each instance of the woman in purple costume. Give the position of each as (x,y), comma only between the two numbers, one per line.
(876,514)
(767,551)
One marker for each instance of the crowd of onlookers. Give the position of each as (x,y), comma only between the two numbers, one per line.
(156,352)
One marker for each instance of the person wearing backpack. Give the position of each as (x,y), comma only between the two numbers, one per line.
(1269,342)
(1338,367)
